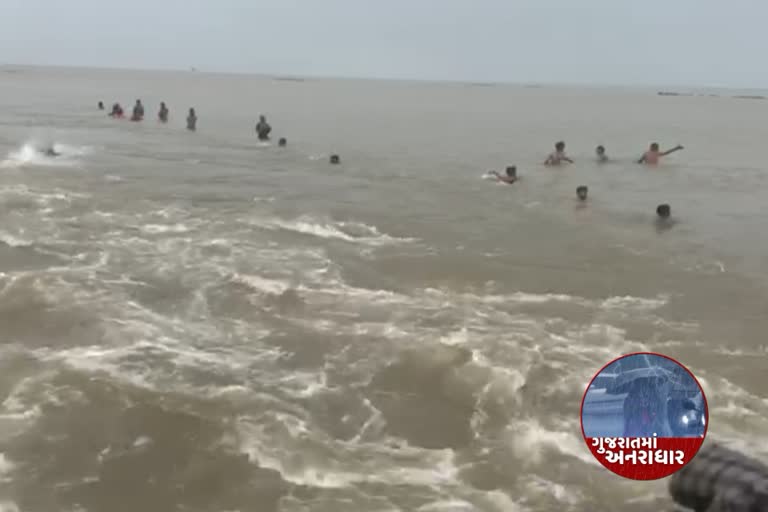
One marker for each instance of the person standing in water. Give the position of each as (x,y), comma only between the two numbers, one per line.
(558,156)
(117,111)
(192,120)
(652,156)
(263,129)
(162,115)
(138,111)
(601,156)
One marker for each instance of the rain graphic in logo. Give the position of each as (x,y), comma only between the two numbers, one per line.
(644,416)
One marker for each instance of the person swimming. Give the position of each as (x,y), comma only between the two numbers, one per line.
(601,156)
(558,156)
(138,111)
(664,220)
(263,129)
(50,151)
(581,192)
(192,120)
(162,115)
(117,110)
(511,175)
(335,160)
(101,105)
(282,142)
(652,156)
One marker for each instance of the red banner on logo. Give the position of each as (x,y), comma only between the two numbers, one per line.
(644,458)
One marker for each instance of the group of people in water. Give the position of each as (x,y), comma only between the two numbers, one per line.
(558,157)
(137,114)
(263,128)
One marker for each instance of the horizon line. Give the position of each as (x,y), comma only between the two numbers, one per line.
(314,76)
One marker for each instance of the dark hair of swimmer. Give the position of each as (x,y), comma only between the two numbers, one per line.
(335,159)
(655,146)
(581,192)
(600,150)
(512,171)
(663,211)
(560,146)
(101,105)
(282,142)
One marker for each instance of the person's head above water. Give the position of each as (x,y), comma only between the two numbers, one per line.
(581,192)
(335,159)
(262,119)
(512,171)
(560,146)
(663,211)
(282,142)
(101,105)
(600,150)
(654,146)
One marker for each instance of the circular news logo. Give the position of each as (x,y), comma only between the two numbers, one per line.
(644,416)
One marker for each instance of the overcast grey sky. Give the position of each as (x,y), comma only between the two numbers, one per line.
(643,42)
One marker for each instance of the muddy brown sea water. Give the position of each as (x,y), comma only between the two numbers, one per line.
(198,322)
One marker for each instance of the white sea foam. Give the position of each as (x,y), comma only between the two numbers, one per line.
(13,241)
(529,440)
(15,194)
(142,441)
(493,501)
(448,506)
(20,405)
(157,229)
(353,232)
(69,150)
(557,491)
(639,303)
(530,298)
(30,154)
(262,284)
(303,384)
(354,463)
(6,466)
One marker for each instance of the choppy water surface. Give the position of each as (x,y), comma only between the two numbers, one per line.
(194,321)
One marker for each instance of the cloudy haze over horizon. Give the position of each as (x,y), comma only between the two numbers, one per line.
(684,42)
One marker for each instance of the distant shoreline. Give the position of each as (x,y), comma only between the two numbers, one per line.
(736,96)
(659,89)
